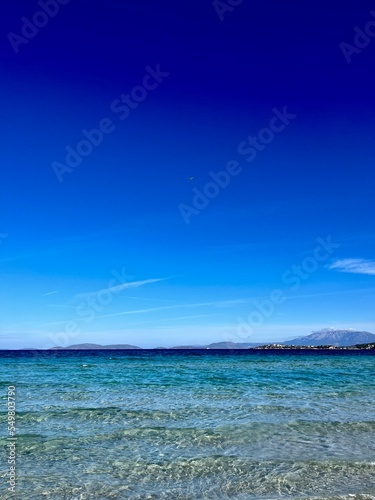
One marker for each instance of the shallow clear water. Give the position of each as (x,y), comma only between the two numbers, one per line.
(192,425)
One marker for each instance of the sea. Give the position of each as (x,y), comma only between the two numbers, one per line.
(189,424)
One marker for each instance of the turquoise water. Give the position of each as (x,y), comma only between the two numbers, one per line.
(192,425)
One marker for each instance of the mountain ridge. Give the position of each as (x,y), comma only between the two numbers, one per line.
(333,336)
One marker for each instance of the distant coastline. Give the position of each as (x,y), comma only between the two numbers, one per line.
(355,347)
(327,339)
(283,347)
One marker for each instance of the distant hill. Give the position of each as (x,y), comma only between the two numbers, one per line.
(95,346)
(332,336)
(232,345)
(220,345)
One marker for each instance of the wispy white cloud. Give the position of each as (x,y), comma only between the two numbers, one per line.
(148,298)
(50,293)
(161,322)
(334,292)
(119,288)
(61,306)
(355,266)
(218,303)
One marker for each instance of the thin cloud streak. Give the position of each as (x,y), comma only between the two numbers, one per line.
(224,303)
(178,318)
(219,303)
(61,306)
(323,294)
(354,266)
(148,298)
(119,288)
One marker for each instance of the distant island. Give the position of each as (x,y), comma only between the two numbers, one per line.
(77,347)
(327,338)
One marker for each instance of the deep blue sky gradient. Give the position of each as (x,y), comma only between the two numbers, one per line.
(119,208)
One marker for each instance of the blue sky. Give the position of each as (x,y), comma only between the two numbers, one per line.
(104,254)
